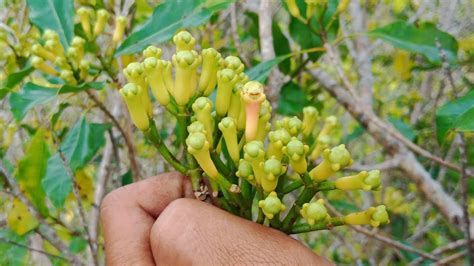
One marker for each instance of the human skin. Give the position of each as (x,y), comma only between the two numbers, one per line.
(158,221)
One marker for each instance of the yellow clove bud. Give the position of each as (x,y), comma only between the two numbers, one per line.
(120,25)
(184,41)
(40,51)
(245,171)
(253,97)
(323,140)
(55,47)
(85,15)
(310,116)
(363,180)
(186,64)
(38,63)
(229,131)
(155,70)
(296,152)
(314,212)
(102,18)
(374,216)
(271,205)
(198,146)
(135,73)
(210,66)
(255,154)
(152,51)
(67,76)
(202,108)
(234,63)
(293,125)
(226,80)
(263,124)
(84,69)
(196,126)
(277,140)
(235,103)
(273,169)
(334,160)
(132,94)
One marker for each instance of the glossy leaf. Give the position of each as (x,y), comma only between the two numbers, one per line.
(448,115)
(421,39)
(168,18)
(465,122)
(79,146)
(31,170)
(261,71)
(13,79)
(57,15)
(67,88)
(12,254)
(31,95)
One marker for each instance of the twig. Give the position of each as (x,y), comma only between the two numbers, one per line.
(386,240)
(45,230)
(386,165)
(337,64)
(235,35)
(465,197)
(32,249)
(267,50)
(449,259)
(126,137)
(441,250)
(82,213)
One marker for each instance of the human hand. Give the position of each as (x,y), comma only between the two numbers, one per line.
(157,221)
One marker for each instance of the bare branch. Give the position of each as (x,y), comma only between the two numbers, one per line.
(449,259)
(267,50)
(385,165)
(235,35)
(32,249)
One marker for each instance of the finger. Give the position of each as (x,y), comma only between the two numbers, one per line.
(193,232)
(128,213)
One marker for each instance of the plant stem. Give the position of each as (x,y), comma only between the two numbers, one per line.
(302,228)
(154,137)
(259,196)
(292,187)
(305,196)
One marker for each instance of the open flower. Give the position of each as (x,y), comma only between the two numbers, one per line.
(363,180)
(198,146)
(132,94)
(314,212)
(333,160)
(296,152)
(271,205)
(374,216)
(253,97)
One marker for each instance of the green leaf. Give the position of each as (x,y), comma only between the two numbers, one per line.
(421,39)
(77,244)
(447,116)
(168,18)
(57,183)
(79,146)
(13,79)
(302,34)
(465,122)
(57,15)
(261,71)
(31,95)
(292,100)
(356,133)
(403,128)
(31,170)
(344,206)
(67,88)
(11,254)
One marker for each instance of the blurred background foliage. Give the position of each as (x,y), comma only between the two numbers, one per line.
(409,61)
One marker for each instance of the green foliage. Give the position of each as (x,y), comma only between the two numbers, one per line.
(13,79)
(421,39)
(57,15)
(167,19)
(78,148)
(29,97)
(403,128)
(261,71)
(11,254)
(292,100)
(456,114)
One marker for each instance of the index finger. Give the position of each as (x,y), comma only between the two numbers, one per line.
(128,213)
